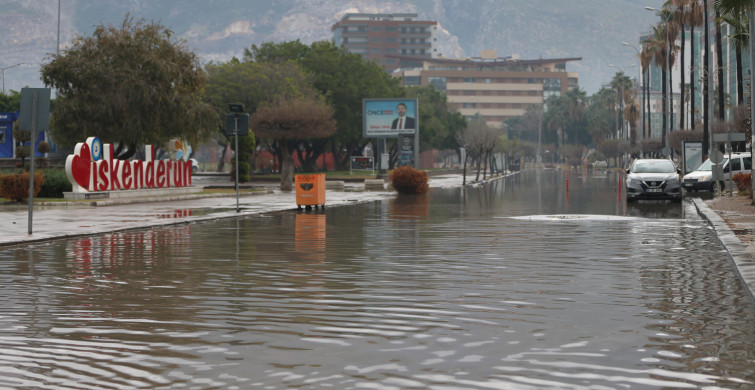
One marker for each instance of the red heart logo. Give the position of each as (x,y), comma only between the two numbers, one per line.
(78,166)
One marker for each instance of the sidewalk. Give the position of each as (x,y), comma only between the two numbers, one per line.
(105,216)
(733,219)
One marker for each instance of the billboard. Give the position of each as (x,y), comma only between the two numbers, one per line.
(389,117)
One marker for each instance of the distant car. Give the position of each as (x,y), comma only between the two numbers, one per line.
(702,178)
(194,165)
(653,179)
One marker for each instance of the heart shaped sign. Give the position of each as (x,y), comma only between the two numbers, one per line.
(78,166)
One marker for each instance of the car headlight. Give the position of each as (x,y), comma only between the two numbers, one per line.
(673,181)
(707,177)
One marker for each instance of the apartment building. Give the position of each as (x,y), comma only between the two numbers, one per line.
(496,88)
(382,37)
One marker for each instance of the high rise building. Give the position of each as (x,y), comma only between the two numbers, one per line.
(381,37)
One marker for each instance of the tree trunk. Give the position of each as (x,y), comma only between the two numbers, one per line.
(692,76)
(681,80)
(720,69)
(740,83)
(647,87)
(287,167)
(664,91)
(464,175)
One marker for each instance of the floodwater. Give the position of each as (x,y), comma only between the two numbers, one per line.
(540,280)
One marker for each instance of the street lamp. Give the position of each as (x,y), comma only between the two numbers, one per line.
(3,74)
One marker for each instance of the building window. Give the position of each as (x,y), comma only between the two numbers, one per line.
(438,82)
(361,28)
(469,80)
(486,80)
(375,40)
(390,61)
(390,40)
(412,80)
(376,28)
(403,29)
(469,105)
(390,50)
(390,29)
(376,50)
(552,85)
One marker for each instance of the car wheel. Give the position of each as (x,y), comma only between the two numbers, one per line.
(194,169)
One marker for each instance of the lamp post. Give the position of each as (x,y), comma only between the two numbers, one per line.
(3,74)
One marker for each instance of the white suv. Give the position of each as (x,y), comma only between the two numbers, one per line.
(702,178)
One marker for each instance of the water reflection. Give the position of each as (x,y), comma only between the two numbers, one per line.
(519,283)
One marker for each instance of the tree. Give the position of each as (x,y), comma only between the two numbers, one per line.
(343,78)
(253,84)
(292,118)
(744,6)
(621,83)
(131,85)
(10,102)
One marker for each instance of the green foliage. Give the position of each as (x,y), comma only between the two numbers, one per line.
(15,186)
(55,183)
(246,148)
(407,180)
(132,84)
(10,102)
(254,83)
(343,78)
(439,127)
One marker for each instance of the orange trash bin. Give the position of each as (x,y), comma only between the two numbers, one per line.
(310,190)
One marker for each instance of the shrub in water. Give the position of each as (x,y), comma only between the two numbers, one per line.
(407,180)
(16,186)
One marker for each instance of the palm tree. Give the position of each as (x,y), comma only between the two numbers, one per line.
(690,14)
(739,40)
(669,18)
(693,18)
(621,83)
(720,67)
(745,6)
(631,114)
(657,46)
(646,58)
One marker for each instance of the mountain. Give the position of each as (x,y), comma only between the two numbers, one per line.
(220,29)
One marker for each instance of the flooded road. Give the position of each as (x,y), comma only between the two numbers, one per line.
(540,280)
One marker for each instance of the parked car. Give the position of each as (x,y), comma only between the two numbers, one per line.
(194,165)
(653,179)
(702,178)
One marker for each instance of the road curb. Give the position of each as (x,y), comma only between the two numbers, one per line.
(743,259)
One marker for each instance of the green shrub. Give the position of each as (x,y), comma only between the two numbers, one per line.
(407,180)
(56,183)
(16,186)
(244,172)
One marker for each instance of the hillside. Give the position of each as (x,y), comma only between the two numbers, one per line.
(220,29)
